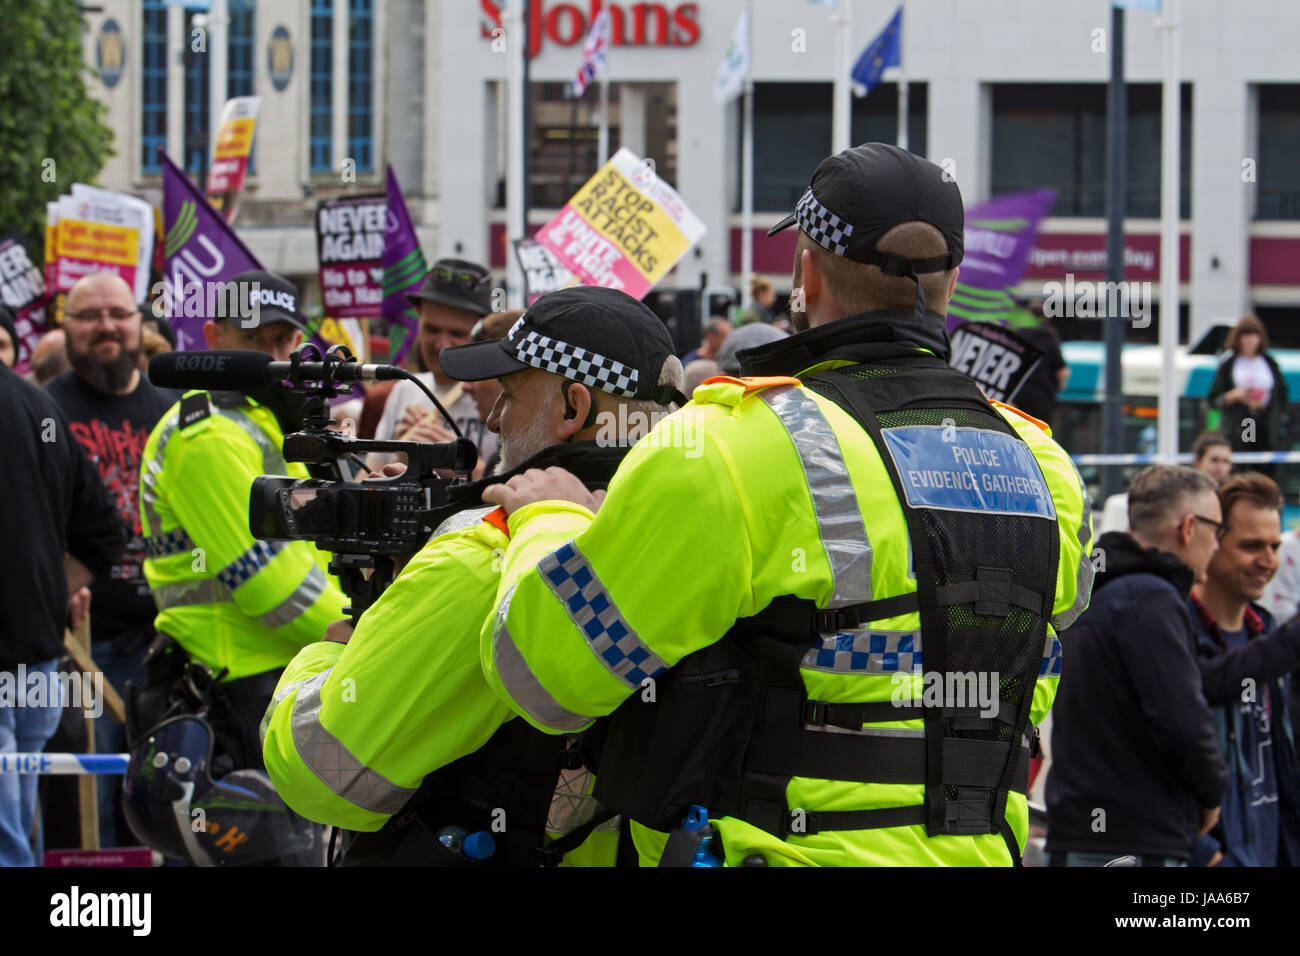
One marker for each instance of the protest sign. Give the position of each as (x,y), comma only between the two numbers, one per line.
(201,252)
(543,273)
(998,359)
(403,271)
(103,231)
(22,288)
(350,235)
(624,229)
(230,157)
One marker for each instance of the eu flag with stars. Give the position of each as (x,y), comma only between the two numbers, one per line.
(884,51)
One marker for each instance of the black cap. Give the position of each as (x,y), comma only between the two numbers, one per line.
(603,338)
(265,298)
(458,284)
(856,196)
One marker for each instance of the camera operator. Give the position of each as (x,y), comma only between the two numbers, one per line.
(357,730)
(240,606)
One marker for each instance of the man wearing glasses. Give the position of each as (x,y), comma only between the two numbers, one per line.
(111,408)
(1136,767)
(455,295)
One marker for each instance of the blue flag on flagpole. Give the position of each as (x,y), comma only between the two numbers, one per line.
(884,51)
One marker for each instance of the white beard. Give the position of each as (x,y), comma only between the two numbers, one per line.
(518,448)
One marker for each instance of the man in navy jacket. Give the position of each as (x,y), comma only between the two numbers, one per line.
(1136,767)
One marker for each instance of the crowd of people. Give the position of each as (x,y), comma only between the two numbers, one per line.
(464,715)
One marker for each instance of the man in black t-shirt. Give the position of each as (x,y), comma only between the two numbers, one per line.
(1037,395)
(111,408)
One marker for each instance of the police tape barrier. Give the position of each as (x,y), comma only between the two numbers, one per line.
(1238,458)
(64,763)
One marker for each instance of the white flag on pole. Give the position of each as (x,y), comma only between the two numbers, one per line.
(730,80)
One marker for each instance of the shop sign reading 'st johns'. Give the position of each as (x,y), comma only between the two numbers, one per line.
(624,229)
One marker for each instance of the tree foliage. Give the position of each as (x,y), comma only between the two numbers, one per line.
(46,113)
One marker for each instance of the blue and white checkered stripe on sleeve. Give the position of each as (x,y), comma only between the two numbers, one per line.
(257,557)
(569,574)
(1052,657)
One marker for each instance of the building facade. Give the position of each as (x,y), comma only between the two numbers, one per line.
(1010,94)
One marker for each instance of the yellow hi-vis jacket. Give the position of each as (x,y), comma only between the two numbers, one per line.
(756,489)
(353,729)
(230,599)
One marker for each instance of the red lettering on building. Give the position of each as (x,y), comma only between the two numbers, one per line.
(640,24)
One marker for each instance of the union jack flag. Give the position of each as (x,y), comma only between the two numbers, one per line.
(593,52)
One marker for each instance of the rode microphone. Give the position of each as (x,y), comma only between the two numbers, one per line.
(239,370)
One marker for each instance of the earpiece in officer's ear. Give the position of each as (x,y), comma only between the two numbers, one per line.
(569,410)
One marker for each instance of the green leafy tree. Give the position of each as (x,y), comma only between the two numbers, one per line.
(46,114)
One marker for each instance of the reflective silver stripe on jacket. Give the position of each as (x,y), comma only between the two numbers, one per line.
(835,503)
(521,683)
(272,457)
(569,574)
(149,471)
(865,652)
(332,762)
(304,596)
(462,520)
(1083,575)
(189,593)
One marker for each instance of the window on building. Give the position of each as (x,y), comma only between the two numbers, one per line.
(1278,172)
(320,138)
(792,134)
(1055,135)
(361,68)
(875,117)
(198,112)
(239,58)
(153,85)
(565,141)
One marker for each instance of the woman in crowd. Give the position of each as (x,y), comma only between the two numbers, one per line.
(1251,390)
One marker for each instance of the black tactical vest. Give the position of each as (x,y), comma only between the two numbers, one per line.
(732,723)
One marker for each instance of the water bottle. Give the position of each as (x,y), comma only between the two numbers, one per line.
(474,847)
(697,820)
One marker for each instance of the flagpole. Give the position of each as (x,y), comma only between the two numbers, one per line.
(602,147)
(747,168)
(840,104)
(902,90)
(517,33)
(1167,431)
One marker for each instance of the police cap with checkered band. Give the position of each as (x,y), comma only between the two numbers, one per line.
(856,196)
(603,338)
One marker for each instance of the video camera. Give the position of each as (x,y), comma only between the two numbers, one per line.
(364,523)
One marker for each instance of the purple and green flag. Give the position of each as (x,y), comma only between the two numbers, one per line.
(200,253)
(999,236)
(404,269)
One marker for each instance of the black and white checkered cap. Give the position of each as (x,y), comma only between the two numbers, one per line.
(573,362)
(858,195)
(822,225)
(603,338)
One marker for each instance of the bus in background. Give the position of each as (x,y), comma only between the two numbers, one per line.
(1077,423)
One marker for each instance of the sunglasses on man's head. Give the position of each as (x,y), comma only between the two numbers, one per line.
(460,277)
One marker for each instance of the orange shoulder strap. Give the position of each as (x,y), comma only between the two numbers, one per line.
(1025,415)
(754,384)
(497,519)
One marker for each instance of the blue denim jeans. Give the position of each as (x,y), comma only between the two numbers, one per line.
(24,729)
(110,737)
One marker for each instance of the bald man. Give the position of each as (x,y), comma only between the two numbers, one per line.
(49,357)
(111,408)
